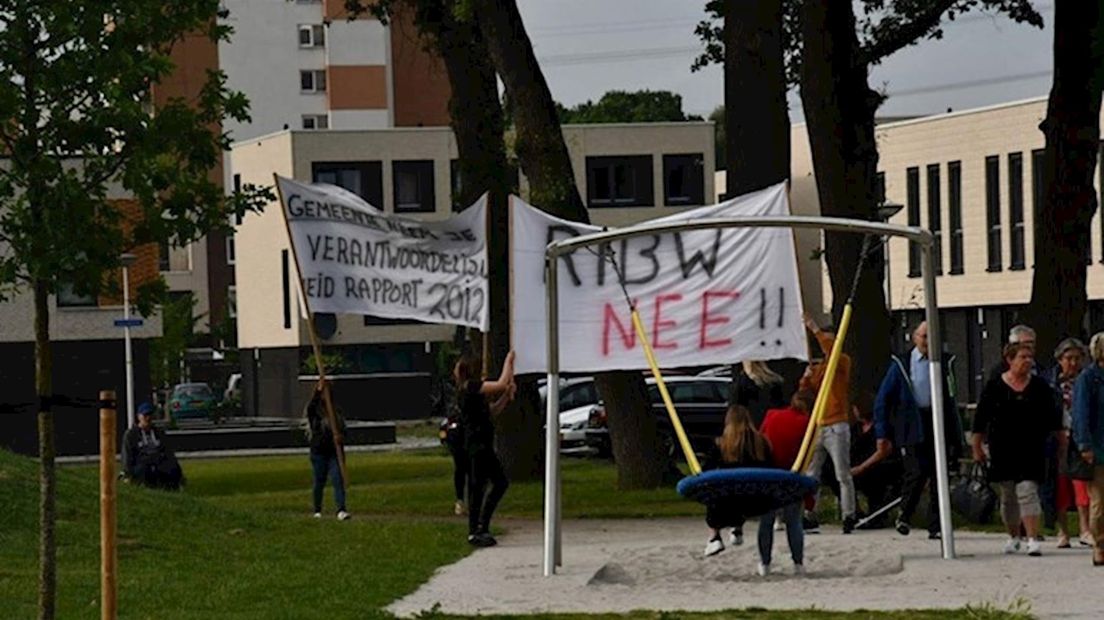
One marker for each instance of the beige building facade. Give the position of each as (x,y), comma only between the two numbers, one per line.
(973,178)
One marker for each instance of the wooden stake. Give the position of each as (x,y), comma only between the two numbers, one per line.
(108,554)
(327,401)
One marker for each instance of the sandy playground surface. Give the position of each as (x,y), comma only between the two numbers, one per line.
(619,566)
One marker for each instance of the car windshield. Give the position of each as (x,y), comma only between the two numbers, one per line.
(193,391)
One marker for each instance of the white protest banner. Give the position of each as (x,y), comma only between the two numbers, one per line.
(355,259)
(705,297)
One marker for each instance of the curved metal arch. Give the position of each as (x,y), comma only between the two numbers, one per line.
(552,494)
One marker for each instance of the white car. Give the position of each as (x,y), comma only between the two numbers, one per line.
(573,425)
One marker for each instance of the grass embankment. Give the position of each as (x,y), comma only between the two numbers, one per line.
(238,542)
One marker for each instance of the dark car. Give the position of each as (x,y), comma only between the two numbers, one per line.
(701,403)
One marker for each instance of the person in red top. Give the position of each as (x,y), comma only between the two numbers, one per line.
(785,430)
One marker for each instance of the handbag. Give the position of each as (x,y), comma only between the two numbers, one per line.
(973,497)
(1076,467)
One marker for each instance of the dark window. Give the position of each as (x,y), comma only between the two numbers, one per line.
(312,81)
(413,185)
(879,188)
(993,211)
(1100,182)
(954,201)
(935,216)
(683,180)
(68,298)
(163,256)
(454,185)
(285,281)
(375,321)
(1016,210)
(363,178)
(619,181)
(912,181)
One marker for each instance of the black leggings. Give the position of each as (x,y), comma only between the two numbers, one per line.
(485,470)
(459,470)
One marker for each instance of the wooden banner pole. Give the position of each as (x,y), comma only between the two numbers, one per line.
(108,554)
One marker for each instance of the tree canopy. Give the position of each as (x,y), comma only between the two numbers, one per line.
(618,106)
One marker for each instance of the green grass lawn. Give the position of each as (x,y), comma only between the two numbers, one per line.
(238,542)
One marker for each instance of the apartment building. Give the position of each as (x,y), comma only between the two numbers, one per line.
(88,356)
(973,178)
(303,65)
(627,173)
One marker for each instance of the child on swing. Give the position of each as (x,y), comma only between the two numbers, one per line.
(740,445)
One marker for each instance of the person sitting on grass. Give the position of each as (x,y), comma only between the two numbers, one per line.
(146,458)
(476,421)
(323,453)
(784,430)
(740,445)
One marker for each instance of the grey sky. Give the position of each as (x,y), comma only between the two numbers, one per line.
(587,47)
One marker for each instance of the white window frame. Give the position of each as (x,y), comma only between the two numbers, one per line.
(315,121)
(316,36)
(315,75)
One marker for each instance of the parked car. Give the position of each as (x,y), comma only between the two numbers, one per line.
(573,427)
(701,403)
(191,400)
(574,393)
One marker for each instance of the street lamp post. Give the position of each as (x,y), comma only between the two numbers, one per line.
(126,260)
(887,210)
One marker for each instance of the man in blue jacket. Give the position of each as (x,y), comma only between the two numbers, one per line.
(903,422)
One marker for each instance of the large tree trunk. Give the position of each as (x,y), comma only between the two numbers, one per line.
(1072,130)
(757,120)
(47,507)
(478,123)
(545,161)
(839,109)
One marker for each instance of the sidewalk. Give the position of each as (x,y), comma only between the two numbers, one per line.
(620,566)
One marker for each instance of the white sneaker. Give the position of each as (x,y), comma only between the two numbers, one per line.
(714,546)
(343,516)
(778,524)
(1034,547)
(799,569)
(1012,545)
(317,515)
(736,538)
(458,508)
(763,569)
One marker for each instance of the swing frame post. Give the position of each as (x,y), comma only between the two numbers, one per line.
(556,249)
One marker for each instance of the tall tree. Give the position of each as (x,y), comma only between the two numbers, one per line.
(829,53)
(75,79)
(545,161)
(1072,131)
(477,121)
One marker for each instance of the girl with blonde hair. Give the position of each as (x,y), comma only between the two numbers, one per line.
(740,445)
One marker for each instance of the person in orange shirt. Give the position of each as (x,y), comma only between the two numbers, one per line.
(835,424)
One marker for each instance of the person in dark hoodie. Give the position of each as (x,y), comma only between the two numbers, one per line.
(740,445)
(323,453)
(146,458)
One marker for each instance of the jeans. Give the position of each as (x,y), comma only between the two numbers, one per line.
(322,465)
(835,442)
(919,468)
(795,533)
(485,470)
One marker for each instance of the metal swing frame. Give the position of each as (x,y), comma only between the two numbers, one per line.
(553,516)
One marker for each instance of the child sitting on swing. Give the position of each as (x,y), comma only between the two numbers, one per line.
(740,445)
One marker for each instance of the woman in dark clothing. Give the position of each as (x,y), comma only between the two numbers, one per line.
(740,445)
(146,458)
(484,467)
(446,407)
(1017,413)
(323,454)
(756,388)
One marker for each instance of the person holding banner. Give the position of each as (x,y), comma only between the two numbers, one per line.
(479,401)
(323,454)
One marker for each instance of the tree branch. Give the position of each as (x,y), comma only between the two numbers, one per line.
(891,38)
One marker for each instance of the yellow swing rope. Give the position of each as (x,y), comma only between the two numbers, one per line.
(805,454)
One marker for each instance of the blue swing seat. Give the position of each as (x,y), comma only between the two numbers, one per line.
(753,490)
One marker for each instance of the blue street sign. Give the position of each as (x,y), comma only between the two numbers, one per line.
(128,322)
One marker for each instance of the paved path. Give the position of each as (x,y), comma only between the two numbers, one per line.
(620,566)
